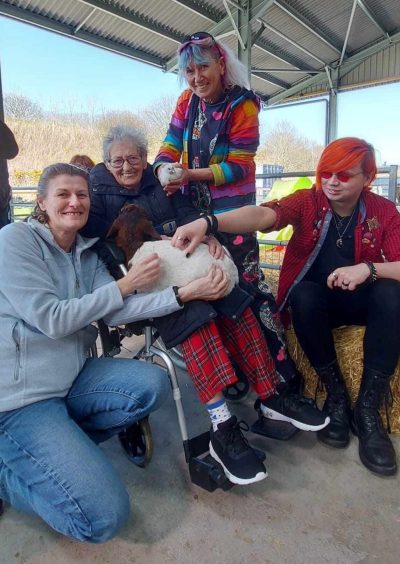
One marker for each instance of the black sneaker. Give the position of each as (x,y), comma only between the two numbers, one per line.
(229,447)
(297,410)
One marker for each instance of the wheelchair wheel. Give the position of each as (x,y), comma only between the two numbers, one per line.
(137,442)
(239,390)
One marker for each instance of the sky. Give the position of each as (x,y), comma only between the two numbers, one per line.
(63,74)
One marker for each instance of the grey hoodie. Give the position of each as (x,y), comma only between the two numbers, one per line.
(48,300)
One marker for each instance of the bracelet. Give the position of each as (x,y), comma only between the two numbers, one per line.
(212,223)
(373,274)
(177,296)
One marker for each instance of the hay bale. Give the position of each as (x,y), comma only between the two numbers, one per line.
(349,349)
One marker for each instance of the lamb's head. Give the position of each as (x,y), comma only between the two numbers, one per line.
(131,229)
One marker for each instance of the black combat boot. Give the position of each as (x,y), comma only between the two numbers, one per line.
(336,406)
(375,447)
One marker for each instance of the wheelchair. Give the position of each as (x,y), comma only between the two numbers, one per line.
(137,440)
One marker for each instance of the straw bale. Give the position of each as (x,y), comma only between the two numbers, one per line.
(349,349)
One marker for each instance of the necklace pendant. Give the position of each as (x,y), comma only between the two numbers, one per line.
(339,243)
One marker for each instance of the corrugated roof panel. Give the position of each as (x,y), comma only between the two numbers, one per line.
(295,31)
(307,60)
(361,28)
(156,27)
(387,12)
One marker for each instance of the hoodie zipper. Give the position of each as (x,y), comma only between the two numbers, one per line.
(77,285)
(15,331)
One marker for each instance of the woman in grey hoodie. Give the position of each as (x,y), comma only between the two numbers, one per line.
(56,404)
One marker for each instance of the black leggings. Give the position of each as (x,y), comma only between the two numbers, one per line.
(316,310)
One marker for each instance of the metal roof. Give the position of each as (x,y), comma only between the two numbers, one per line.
(298,47)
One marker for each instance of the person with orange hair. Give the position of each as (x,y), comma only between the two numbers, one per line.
(82,161)
(341,267)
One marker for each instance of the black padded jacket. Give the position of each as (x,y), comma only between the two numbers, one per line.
(108,197)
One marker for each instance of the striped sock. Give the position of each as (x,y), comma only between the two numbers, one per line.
(218,412)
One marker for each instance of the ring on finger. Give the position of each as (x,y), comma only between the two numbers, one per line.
(180,238)
(334,274)
(345,284)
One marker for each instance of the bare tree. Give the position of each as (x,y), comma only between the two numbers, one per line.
(17,106)
(284,145)
(110,119)
(157,117)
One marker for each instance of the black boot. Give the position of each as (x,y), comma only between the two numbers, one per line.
(336,406)
(375,447)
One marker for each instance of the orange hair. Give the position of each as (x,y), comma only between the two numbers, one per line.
(346,153)
(83,161)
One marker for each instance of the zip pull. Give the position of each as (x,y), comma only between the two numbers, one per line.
(76,282)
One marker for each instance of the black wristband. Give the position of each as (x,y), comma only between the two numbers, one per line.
(177,296)
(373,275)
(212,223)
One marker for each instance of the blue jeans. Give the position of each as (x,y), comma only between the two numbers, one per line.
(50,463)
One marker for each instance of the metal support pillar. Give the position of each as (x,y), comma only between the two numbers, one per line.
(331,133)
(244,29)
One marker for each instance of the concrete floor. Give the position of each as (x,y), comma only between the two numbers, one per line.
(318,505)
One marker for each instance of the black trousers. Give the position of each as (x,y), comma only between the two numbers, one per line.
(316,310)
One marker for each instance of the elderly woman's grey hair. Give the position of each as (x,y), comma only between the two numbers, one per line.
(121,133)
(50,172)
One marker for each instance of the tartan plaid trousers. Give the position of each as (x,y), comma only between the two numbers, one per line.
(206,353)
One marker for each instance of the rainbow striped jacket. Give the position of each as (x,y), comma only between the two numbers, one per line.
(232,160)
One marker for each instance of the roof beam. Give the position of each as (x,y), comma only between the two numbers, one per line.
(262,75)
(132,17)
(368,12)
(85,19)
(321,78)
(69,31)
(286,38)
(353,11)
(197,9)
(224,26)
(310,27)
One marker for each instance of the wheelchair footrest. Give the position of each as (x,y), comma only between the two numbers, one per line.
(204,470)
(208,474)
(280,430)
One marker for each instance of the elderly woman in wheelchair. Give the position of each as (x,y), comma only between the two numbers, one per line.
(214,338)
(56,403)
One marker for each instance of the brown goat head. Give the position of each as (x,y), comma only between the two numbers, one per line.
(131,229)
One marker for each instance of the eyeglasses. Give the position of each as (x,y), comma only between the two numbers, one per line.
(341,176)
(119,163)
(194,38)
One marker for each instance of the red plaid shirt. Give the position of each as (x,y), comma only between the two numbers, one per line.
(376,236)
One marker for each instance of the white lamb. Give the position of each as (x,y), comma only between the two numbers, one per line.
(178,270)
(135,235)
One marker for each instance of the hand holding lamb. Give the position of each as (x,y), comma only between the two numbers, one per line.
(135,235)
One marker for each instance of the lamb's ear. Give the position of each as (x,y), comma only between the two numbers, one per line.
(113,231)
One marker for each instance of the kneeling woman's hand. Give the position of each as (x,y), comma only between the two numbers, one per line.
(141,275)
(208,288)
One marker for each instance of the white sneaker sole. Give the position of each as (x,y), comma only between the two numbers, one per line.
(271,414)
(234,479)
